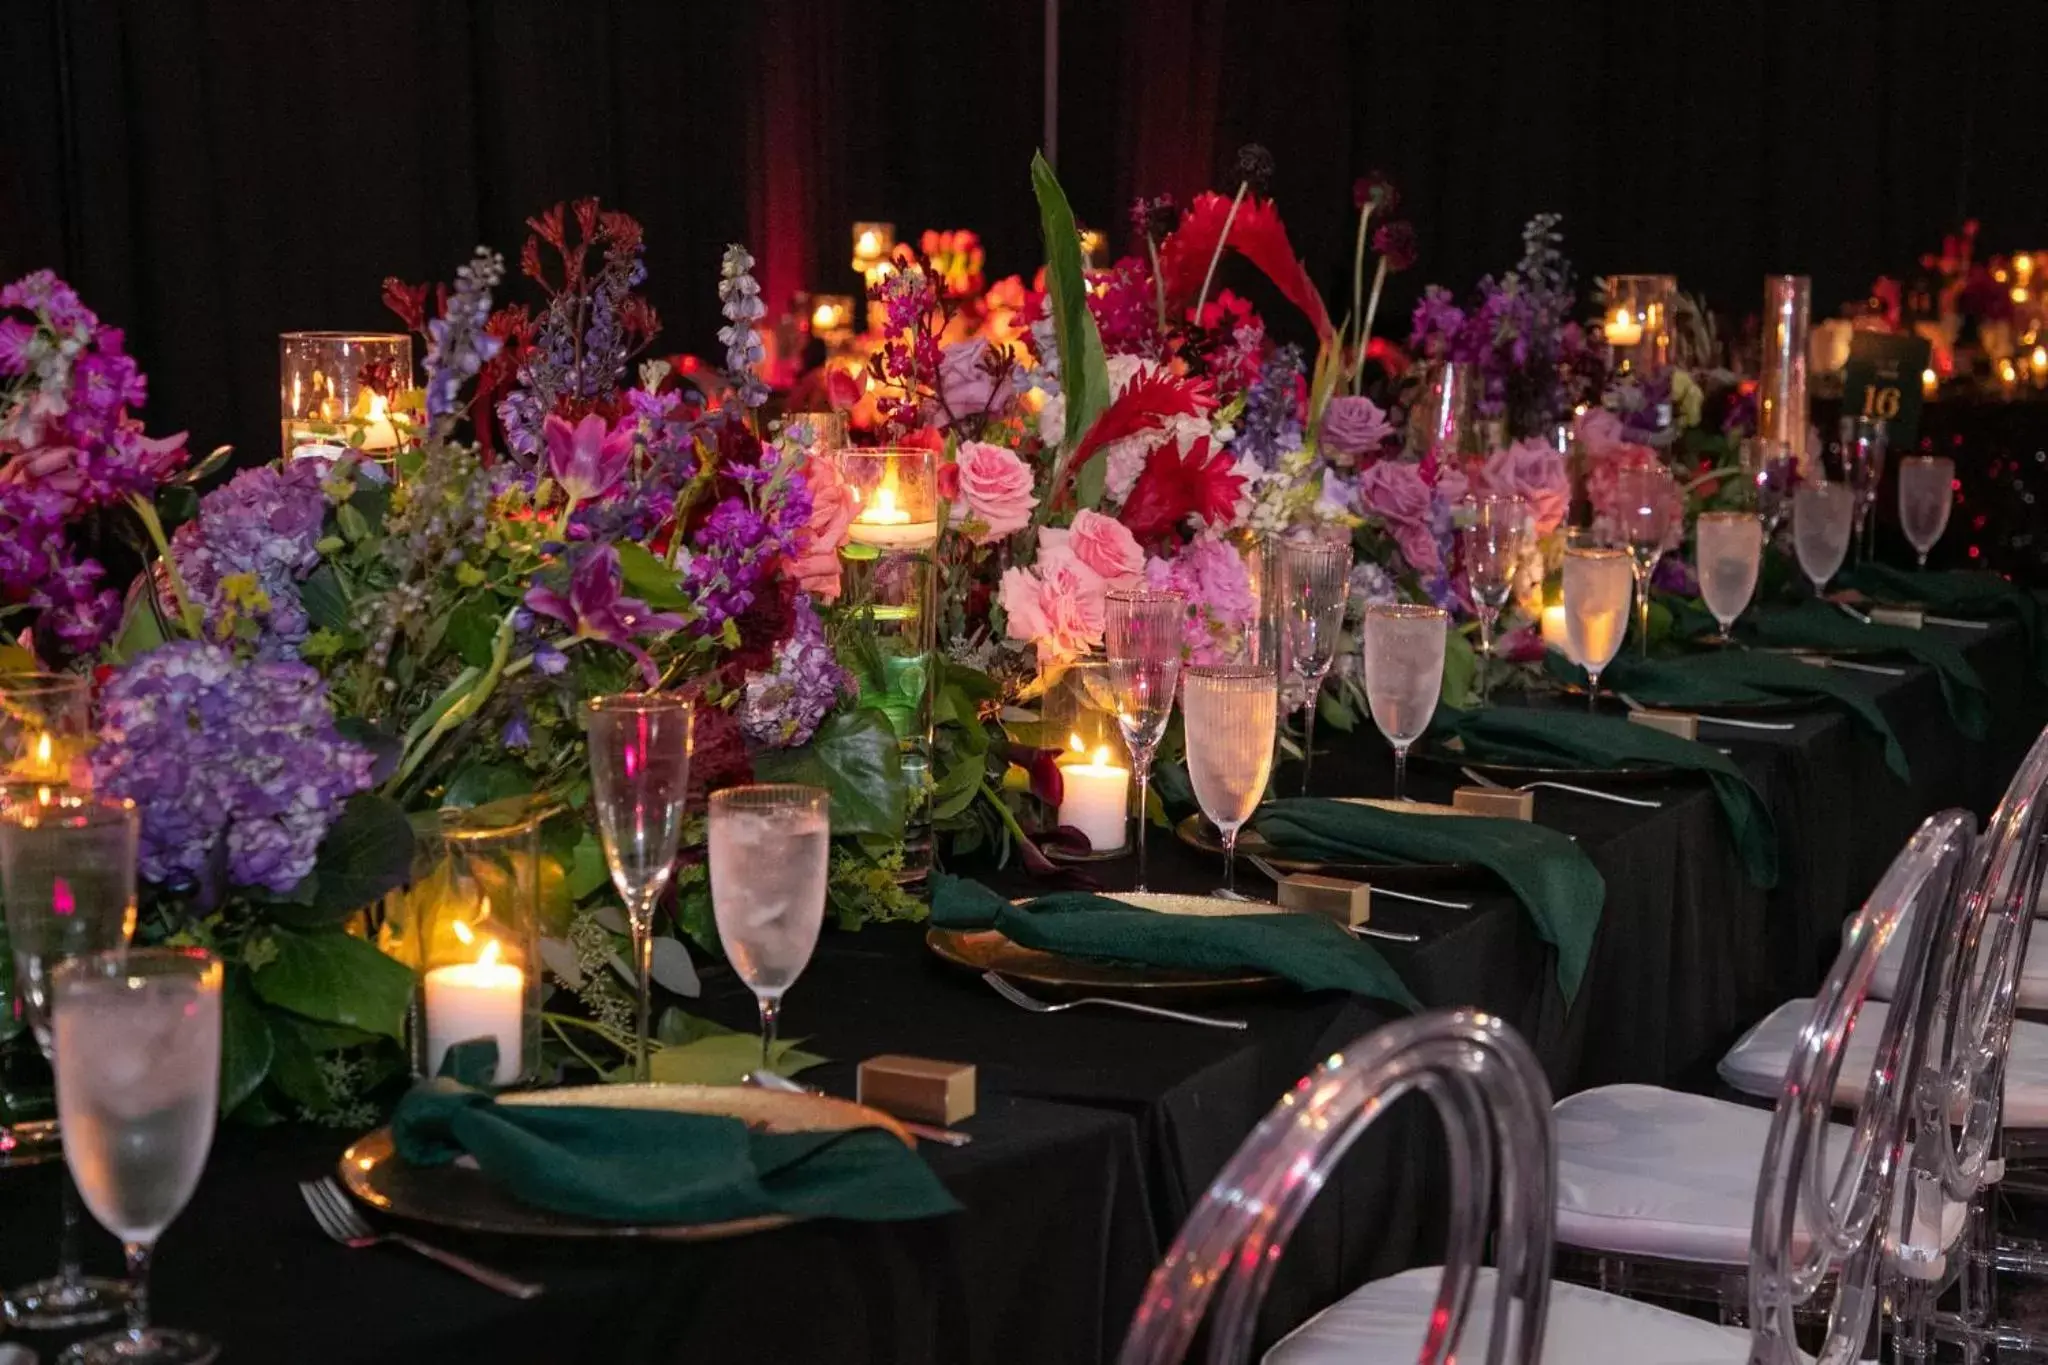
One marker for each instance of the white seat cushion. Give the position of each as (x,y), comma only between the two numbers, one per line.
(1385,1322)
(2033,972)
(1756,1064)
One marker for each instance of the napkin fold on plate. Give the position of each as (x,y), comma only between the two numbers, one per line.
(1552,737)
(662,1167)
(1307,950)
(1817,625)
(1733,676)
(1955,592)
(1553,878)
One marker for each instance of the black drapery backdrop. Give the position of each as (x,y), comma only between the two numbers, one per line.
(212,172)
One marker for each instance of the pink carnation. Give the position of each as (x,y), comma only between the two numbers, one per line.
(1058,607)
(1102,543)
(817,567)
(1534,472)
(995,490)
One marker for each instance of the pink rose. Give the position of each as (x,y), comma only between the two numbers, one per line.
(817,567)
(1102,543)
(1058,607)
(1393,492)
(1353,425)
(1534,472)
(1599,431)
(995,486)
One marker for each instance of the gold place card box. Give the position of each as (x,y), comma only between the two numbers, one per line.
(1497,802)
(918,1088)
(1679,723)
(1348,903)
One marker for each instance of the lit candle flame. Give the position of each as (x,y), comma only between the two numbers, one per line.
(1102,756)
(1074,743)
(490,953)
(869,244)
(43,749)
(464,934)
(883,509)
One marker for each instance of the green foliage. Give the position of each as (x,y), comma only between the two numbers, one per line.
(1461,670)
(856,756)
(1084,370)
(367,852)
(335,978)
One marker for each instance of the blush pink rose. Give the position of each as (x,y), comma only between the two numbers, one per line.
(1395,493)
(1534,472)
(817,566)
(995,490)
(1599,431)
(1057,607)
(1102,543)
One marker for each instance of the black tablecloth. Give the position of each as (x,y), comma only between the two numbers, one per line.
(1097,1131)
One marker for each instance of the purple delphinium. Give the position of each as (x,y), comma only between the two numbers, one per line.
(231,764)
(784,705)
(244,555)
(457,342)
(739,297)
(1271,424)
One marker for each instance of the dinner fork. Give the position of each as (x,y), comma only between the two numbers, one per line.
(1643,801)
(339,1219)
(1037,1006)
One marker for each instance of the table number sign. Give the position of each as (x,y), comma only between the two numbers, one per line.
(1882,381)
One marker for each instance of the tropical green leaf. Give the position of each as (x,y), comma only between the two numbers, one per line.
(320,593)
(472,629)
(856,756)
(335,978)
(246,1048)
(367,852)
(479,784)
(295,1063)
(721,1059)
(587,870)
(1084,370)
(1461,670)
(650,580)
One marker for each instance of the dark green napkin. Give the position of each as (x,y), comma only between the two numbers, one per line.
(1308,950)
(1958,592)
(651,1166)
(1560,738)
(1552,877)
(1815,624)
(1729,676)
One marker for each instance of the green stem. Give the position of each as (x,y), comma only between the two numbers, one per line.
(188,614)
(1158,280)
(1217,255)
(465,706)
(1358,288)
(555,1021)
(1379,282)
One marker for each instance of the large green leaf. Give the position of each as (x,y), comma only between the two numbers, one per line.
(472,630)
(479,784)
(650,580)
(855,756)
(295,1066)
(721,1059)
(246,1047)
(1084,371)
(334,978)
(326,605)
(367,852)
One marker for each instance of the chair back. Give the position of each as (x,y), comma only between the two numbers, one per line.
(1495,1106)
(1847,1208)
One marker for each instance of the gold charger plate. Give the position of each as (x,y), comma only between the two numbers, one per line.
(461,1196)
(1197,833)
(986,950)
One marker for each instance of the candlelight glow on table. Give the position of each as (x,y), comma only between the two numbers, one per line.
(481,999)
(1095,796)
(896,492)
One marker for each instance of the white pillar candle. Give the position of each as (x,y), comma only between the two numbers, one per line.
(1623,329)
(482,999)
(1096,799)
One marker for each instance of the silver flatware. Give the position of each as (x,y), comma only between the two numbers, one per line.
(768,1080)
(1952,622)
(1642,801)
(1864,617)
(1879,669)
(339,1218)
(1632,704)
(1022,1001)
(1274,874)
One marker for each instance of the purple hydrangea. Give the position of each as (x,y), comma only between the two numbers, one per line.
(254,539)
(232,764)
(784,706)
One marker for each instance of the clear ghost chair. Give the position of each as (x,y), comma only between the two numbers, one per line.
(1494,1103)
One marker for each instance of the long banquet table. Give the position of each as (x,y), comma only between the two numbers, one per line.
(1097,1130)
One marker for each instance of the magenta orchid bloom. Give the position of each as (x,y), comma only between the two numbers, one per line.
(586,459)
(595,609)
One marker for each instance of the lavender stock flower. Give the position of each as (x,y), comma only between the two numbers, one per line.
(740,298)
(234,765)
(457,344)
(1271,425)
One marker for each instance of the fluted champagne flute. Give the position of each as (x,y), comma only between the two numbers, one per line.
(1230,711)
(771,846)
(67,877)
(640,782)
(1648,499)
(1493,540)
(1823,517)
(1315,583)
(1404,675)
(1864,442)
(138,1086)
(1728,553)
(1596,596)
(1926,492)
(1143,635)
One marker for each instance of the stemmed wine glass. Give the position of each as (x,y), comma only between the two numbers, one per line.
(1773,470)
(1493,541)
(1404,675)
(1823,515)
(1143,635)
(1728,554)
(1864,441)
(1315,583)
(640,782)
(1649,497)
(67,876)
(1596,589)
(1230,712)
(138,1084)
(770,847)
(1926,491)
